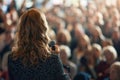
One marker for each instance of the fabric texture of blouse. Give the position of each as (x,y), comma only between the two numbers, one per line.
(51,69)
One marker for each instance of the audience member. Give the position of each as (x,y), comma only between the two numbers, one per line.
(65,54)
(115,71)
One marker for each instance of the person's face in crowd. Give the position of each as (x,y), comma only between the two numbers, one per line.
(96,53)
(109,56)
(116,35)
(82,44)
(78,33)
(90,24)
(104,44)
(63,55)
(108,24)
(95,33)
(113,73)
(61,38)
(90,12)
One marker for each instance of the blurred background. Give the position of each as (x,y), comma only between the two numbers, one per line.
(87,31)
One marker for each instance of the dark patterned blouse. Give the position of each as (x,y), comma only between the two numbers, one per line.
(51,69)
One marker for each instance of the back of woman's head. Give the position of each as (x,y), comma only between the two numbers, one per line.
(33,24)
(32,41)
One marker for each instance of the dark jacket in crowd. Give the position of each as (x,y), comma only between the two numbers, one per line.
(82,76)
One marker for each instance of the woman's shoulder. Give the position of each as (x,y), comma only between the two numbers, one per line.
(10,57)
(53,57)
(12,60)
(54,60)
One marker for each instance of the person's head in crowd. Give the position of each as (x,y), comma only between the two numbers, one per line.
(65,53)
(115,17)
(12,14)
(55,22)
(115,22)
(78,30)
(110,54)
(11,6)
(70,18)
(2,36)
(78,15)
(91,8)
(83,42)
(60,24)
(32,23)
(55,9)
(115,71)
(115,35)
(97,50)
(97,35)
(63,37)
(108,24)
(76,12)
(97,32)
(105,14)
(107,28)
(107,42)
(51,34)
(90,23)
(99,19)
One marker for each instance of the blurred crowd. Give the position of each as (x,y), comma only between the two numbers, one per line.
(88,35)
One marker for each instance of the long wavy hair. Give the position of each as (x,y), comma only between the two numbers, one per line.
(31,38)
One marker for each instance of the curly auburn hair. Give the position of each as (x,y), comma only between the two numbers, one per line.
(31,37)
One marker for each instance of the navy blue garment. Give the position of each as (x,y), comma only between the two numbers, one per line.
(82,76)
(4,50)
(116,45)
(51,69)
